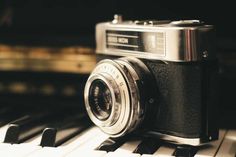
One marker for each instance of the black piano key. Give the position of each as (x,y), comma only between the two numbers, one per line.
(12,133)
(9,114)
(185,151)
(48,137)
(24,128)
(148,146)
(62,132)
(111,144)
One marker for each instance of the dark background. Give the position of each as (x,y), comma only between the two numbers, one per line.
(75,18)
(72,22)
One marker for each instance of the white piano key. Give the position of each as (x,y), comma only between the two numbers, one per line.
(211,149)
(63,151)
(228,147)
(22,150)
(122,154)
(81,139)
(34,141)
(128,147)
(3,131)
(18,150)
(48,151)
(4,146)
(94,142)
(94,153)
(150,155)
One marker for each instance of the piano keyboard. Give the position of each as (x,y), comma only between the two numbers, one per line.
(43,134)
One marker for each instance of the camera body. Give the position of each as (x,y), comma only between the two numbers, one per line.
(156,78)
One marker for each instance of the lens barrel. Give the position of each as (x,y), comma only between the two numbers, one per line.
(113,95)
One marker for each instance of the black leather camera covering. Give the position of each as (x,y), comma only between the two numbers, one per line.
(187,103)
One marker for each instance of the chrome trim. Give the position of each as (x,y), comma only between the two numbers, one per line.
(179,140)
(130,36)
(117,19)
(187,23)
(182,44)
(123,45)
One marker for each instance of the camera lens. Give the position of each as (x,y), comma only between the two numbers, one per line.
(113,97)
(100,99)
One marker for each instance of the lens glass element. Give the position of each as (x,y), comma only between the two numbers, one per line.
(100,99)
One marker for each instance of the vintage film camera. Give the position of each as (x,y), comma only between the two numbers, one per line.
(156,78)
